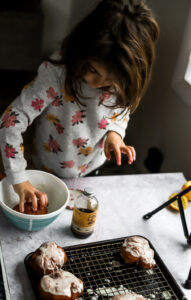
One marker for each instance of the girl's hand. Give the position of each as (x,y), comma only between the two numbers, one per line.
(115,143)
(28,193)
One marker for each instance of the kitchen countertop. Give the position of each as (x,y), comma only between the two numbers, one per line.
(123,200)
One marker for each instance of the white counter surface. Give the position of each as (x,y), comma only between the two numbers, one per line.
(123,200)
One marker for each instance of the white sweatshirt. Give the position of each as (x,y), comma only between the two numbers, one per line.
(69,139)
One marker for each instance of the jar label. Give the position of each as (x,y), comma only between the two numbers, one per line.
(84,219)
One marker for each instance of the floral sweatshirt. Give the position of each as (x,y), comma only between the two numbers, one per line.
(69,139)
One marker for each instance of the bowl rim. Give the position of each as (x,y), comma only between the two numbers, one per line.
(37,217)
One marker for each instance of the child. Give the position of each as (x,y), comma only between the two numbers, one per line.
(82,101)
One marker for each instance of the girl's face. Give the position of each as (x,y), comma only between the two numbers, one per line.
(96,75)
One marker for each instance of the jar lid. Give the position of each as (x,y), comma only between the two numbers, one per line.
(88,191)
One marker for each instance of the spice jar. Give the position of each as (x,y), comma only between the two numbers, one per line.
(84,214)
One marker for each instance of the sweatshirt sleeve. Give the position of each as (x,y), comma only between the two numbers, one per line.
(119,122)
(34,98)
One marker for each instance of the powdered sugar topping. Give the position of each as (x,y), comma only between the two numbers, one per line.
(129,296)
(52,257)
(139,247)
(61,283)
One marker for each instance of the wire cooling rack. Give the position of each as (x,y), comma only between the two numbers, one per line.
(104,273)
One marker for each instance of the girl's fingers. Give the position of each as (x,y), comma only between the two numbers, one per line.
(34,202)
(107,152)
(34,198)
(130,152)
(129,155)
(28,193)
(21,203)
(132,149)
(117,152)
(46,199)
(43,199)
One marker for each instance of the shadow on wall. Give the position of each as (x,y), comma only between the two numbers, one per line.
(154,160)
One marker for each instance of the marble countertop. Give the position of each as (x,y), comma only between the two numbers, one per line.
(123,200)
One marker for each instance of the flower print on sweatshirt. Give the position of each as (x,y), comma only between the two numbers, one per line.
(82,169)
(104,97)
(77,118)
(10,151)
(67,164)
(103,123)
(29,84)
(59,128)
(68,98)
(80,142)
(113,118)
(52,118)
(22,147)
(101,143)
(52,145)
(57,99)
(38,104)
(56,122)
(85,151)
(9,118)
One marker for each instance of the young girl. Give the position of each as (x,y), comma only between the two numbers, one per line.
(82,101)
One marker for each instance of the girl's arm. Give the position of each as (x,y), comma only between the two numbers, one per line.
(18,116)
(15,121)
(115,135)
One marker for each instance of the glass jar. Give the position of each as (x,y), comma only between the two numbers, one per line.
(84,214)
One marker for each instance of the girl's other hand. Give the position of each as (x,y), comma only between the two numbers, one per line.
(28,193)
(115,143)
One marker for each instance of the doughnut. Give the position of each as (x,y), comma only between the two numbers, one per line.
(48,258)
(136,249)
(129,296)
(60,285)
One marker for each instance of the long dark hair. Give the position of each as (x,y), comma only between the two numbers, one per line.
(120,35)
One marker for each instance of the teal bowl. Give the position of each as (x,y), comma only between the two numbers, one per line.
(58,197)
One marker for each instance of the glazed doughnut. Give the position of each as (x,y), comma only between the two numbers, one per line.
(49,257)
(129,296)
(137,250)
(60,285)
